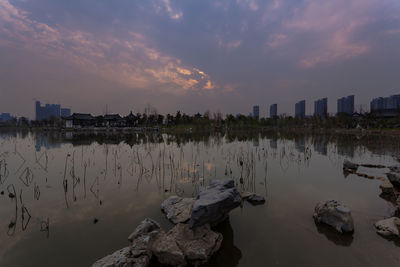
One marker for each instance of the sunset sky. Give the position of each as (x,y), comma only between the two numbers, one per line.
(193,56)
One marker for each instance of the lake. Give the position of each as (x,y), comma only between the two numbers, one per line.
(68,199)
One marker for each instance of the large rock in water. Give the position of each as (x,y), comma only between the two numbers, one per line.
(350,166)
(198,244)
(139,253)
(388,227)
(394,178)
(178,209)
(335,214)
(214,202)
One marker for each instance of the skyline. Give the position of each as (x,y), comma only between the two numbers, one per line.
(222,56)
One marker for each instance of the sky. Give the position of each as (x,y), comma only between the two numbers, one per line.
(196,55)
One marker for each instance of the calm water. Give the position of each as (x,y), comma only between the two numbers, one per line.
(77,198)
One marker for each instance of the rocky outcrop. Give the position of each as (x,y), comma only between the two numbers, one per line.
(394,178)
(387,188)
(350,166)
(177,209)
(335,214)
(179,247)
(214,202)
(388,227)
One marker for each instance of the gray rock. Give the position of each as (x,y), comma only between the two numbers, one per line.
(387,187)
(335,214)
(178,209)
(198,244)
(213,203)
(347,165)
(123,258)
(245,194)
(394,178)
(145,227)
(388,227)
(167,251)
(256,199)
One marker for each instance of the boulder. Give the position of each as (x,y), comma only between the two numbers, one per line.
(144,228)
(394,178)
(198,244)
(167,252)
(388,227)
(256,199)
(387,187)
(335,214)
(213,203)
(347,165)
(119,258)
(177,209)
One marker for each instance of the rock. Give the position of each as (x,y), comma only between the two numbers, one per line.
(387,188)
(122,258)
(244,194)
(394,178)
(335,214)
(167,251)
(145,227)
(213,203)
(347,165)
(256,199)
(198,244)
(388,227)
(178,209)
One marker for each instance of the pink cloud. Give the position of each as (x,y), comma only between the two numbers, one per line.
(131,62)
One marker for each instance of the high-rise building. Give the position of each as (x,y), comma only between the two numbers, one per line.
(65,112)
(346,105)
(256,111)
(47,111)
(6,117)
(386,106)
(273,111)
(321,107)
(300,109)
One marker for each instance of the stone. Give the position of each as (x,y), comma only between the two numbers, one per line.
(387,187)
(256,199)
(198,244)
(145,227)
(166,250)
(388,227)
(245,194)
(347,165)
(213,203)
(394,178)
(177,209)
(122,258)
(335,214)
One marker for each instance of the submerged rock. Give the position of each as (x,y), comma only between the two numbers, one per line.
(214,202)
(347,165)
(256,199)
(388,227)
(245,194)
(335,214)
(177,209)
(197,244)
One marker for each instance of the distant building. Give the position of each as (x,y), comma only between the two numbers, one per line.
(273,111)
(300,109)
(79,120)
(47,111)
(346,105)
(386,106)
(256,112)
(321,107)
(65,112)
(6,117)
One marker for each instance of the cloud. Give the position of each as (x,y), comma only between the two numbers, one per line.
(165,5)
(252,4)
(130,61)
(228,45)
(277,40)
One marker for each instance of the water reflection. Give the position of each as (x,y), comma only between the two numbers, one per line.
(57,180)
(333,236)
